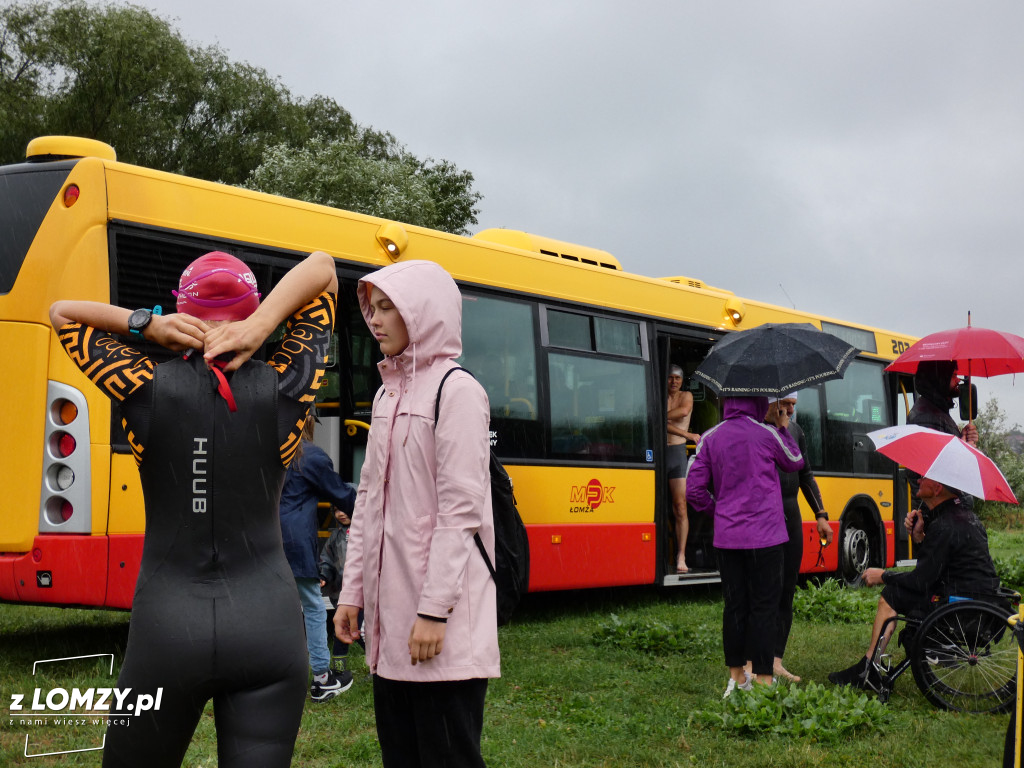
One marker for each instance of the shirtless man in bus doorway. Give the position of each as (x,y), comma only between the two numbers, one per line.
(680,408)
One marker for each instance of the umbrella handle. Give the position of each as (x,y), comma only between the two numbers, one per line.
(967,380)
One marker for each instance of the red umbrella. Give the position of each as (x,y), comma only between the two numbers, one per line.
(976,351)
(944,458)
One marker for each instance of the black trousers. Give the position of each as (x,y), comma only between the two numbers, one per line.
(430,725)
(792,554)
(751,585)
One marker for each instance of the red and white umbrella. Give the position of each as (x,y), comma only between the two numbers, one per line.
(976,352)
(944,458)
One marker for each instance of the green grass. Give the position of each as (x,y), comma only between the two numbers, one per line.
(628,677)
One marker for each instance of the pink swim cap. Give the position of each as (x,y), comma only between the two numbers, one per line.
(217,286)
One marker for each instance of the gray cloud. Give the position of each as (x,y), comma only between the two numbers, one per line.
(869,156)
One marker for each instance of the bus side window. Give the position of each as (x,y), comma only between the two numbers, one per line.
(598,407)
(499,348)
(855,407)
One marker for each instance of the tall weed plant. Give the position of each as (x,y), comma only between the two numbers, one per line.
(811,711)
(830,603)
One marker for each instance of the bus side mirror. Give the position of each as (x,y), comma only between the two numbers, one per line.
(968,401)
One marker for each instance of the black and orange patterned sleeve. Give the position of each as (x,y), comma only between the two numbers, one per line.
(300,360)
(117,369)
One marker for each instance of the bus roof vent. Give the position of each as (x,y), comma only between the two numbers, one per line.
(50,148)
(556,249)
(693,282)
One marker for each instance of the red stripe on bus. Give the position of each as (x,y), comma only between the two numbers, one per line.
(60,569)
(123,572)
(812,550)
(579,555)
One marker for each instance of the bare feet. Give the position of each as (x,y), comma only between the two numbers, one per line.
(781,671)
(681,565)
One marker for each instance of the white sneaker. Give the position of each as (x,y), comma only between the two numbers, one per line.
(746,685)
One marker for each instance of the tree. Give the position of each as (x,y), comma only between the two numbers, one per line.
(994,432)
(22,78)
(116,74)
(119,74)
(388,182)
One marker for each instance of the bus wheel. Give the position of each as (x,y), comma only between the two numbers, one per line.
(855,554)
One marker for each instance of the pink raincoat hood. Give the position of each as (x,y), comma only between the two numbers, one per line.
(430,304)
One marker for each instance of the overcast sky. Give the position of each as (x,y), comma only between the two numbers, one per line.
(863,160)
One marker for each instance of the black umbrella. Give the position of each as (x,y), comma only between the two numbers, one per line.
(774,359)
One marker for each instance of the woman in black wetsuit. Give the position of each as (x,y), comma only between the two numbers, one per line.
(791,484)
(215,613)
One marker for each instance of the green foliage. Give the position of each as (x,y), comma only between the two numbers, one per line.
(830,602)
(1010,571)
(562,699)
(824,714)
(122,75)
(657,637)
(118,74)
(994,430)
(371,174)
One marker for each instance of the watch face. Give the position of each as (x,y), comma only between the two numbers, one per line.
(139,319)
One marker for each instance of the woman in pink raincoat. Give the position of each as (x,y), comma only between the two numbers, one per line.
(424,490)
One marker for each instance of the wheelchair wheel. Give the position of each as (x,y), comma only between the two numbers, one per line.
(965,658)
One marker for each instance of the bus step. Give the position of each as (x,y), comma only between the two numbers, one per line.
(695,576)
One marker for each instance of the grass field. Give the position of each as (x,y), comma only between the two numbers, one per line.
(572,694)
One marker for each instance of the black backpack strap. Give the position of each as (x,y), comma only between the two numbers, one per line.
(437,402)
(437,413)
(487,560)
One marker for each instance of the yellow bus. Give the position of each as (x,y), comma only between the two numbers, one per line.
(572,349)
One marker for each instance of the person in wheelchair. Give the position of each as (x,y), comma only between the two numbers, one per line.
(953,560)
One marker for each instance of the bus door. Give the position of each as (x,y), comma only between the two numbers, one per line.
(686,350)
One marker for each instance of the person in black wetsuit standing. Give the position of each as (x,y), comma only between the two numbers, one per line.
(215,613)
(793,483)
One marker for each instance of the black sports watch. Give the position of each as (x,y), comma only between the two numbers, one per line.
(140,318)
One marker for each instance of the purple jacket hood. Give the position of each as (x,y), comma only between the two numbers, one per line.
(754,407)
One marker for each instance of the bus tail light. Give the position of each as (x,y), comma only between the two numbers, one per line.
(67,411)
(71,194)
(58,511)
(63,444)
(65,493)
